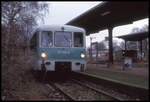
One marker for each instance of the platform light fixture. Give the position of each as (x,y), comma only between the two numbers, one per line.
(105,13)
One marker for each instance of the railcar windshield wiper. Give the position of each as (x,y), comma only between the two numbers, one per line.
(69,41)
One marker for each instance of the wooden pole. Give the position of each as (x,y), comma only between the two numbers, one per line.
(96,51)
(125,45)
(141,48)
(91,50)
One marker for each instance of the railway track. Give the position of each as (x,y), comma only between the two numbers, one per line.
(54,85)
(99,91)
(125,91)
(75,90)
(78,87)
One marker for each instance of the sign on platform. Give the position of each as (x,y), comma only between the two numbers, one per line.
(127,62)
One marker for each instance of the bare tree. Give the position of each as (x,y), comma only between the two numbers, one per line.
(122,45)
(116,46)
(144,28)
(135,30)
(18,20)
(101,46)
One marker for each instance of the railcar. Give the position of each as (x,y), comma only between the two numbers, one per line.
(58,48)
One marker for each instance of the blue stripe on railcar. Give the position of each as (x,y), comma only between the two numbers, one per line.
(63,53)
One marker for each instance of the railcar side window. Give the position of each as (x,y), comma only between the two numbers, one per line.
(33,43)
(78,39)
(46,39)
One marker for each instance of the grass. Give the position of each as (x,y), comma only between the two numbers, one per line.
(134,80)
(18,83)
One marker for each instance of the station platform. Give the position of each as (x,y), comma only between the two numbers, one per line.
(137,76)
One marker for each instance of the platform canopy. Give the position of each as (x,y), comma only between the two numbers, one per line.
(111,14)
(108,15)
(135,36)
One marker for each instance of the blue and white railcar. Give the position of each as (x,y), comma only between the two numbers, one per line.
(59,48)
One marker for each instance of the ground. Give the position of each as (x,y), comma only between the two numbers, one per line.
(137,75)
(18,82)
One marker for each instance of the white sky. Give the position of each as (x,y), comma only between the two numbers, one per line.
(63,12)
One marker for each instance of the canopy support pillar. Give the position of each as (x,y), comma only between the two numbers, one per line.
(110,45)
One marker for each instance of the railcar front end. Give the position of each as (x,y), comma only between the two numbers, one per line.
(62,59)
(60,48)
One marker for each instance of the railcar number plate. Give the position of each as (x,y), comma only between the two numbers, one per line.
(63,52)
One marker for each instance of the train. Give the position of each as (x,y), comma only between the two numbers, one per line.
(58,48)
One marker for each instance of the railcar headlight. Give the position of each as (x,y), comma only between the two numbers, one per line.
(82,55)
(43,55)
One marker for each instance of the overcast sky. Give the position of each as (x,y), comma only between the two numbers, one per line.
(63,12)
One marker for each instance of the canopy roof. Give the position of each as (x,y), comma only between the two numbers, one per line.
(110,14)
(134,36)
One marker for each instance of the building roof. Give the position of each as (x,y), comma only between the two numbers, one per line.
(110,14)
(135,36)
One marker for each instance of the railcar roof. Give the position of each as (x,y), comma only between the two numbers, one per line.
(59,28)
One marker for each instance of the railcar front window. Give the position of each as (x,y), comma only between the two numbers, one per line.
(46,39)
(78,39)
(63,39)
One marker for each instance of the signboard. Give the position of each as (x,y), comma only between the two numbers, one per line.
(127,62)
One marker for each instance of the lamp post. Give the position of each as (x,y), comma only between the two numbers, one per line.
(91,56)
